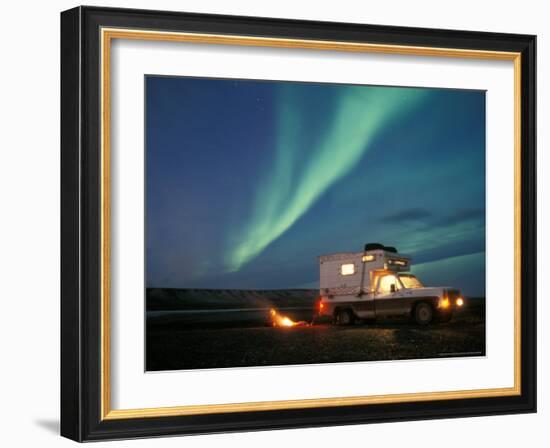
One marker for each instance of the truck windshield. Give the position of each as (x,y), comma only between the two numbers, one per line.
(410,281)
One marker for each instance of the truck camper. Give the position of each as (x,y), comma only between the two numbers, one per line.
(376,283)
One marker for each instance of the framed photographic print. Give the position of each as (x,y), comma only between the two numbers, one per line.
(275,224)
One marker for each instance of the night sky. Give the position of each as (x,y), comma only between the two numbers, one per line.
(247,182)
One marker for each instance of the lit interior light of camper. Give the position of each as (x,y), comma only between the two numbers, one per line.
(398,262)
(368,257)
(460,301)
(444,303)
(347,269)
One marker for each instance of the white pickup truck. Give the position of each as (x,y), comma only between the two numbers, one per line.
(376,283)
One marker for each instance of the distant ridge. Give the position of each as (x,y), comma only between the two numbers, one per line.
(189,299)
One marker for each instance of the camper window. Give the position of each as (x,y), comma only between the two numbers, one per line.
(385,283)
(347,269)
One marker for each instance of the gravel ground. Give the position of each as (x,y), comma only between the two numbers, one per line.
(183,342)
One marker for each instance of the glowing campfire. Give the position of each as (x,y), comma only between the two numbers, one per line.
(278,320)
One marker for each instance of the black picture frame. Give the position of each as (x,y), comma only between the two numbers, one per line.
(81,381)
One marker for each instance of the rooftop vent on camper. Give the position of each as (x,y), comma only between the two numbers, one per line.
(373,246)
(378,246)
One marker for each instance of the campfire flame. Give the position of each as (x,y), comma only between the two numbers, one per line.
(278,320)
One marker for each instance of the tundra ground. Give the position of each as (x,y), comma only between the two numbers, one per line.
(242,338)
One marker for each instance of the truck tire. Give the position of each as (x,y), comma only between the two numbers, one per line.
(423,313)
(345,317)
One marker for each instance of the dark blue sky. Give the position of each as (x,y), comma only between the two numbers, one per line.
(249,181)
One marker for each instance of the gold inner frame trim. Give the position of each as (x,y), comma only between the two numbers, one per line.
(107,35)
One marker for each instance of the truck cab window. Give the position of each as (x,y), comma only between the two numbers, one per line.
(410,281)
(386,282)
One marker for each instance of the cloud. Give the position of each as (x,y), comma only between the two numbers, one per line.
(463,215)
(409,214)
(430,237)
(432,220)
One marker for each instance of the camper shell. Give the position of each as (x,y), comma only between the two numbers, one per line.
(377,282)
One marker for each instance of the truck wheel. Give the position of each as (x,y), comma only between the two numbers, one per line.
(345,317)
(423,314)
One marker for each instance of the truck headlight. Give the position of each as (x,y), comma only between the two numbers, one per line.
(459,301)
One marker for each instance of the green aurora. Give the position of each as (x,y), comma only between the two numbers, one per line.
(288,190)
(249,181)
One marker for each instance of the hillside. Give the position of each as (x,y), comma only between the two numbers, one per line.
(204,299)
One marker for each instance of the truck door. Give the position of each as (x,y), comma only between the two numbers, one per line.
(388,296)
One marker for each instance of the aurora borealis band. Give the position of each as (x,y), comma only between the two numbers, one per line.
(290,190)
(247,182)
